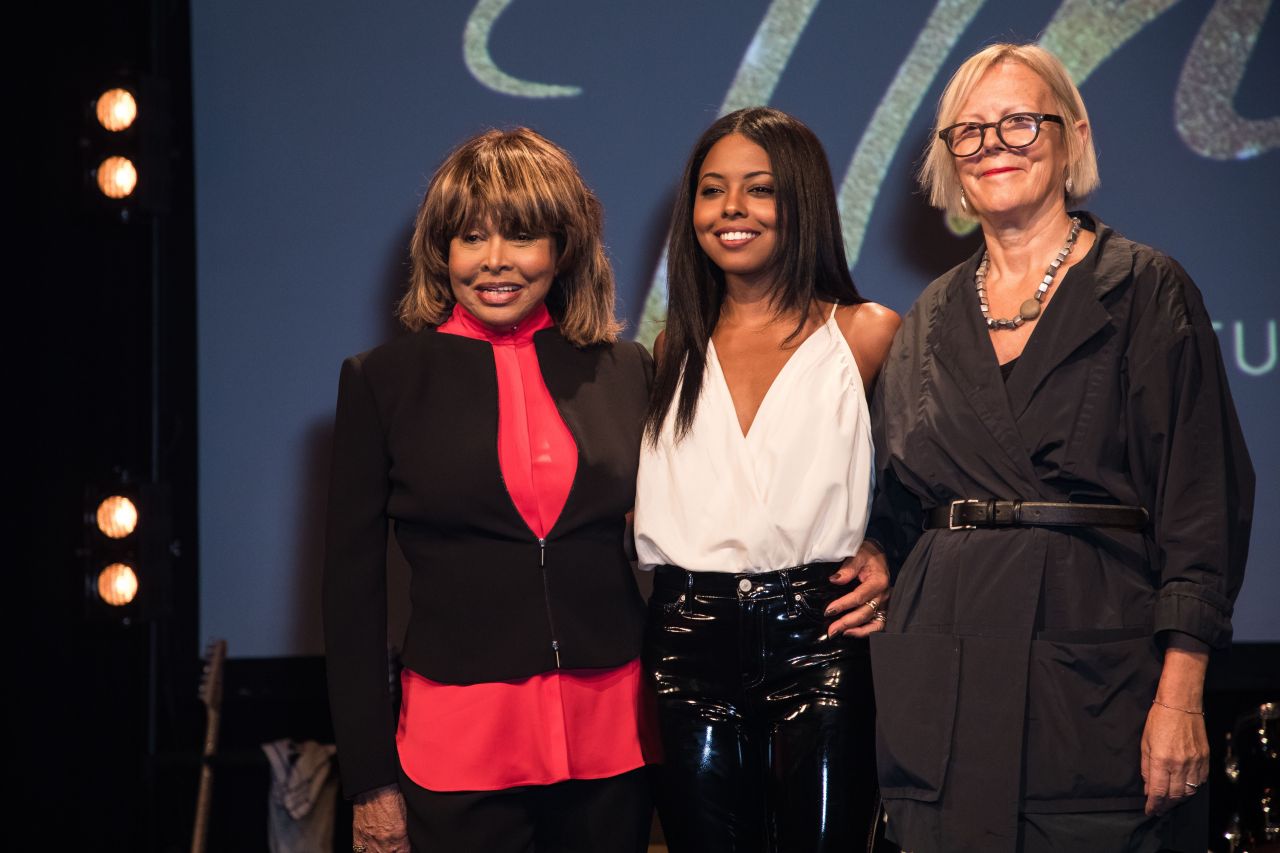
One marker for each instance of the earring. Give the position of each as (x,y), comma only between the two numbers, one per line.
(964,202)
(1069,187)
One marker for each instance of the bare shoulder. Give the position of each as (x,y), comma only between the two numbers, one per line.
(871,319)
(869,329)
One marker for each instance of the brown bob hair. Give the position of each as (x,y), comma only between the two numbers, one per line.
(515,181)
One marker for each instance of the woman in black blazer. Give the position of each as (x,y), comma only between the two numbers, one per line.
(500,441)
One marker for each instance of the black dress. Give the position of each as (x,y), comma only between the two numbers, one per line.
(1018,665)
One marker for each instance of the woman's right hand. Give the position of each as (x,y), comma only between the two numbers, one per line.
(379,824)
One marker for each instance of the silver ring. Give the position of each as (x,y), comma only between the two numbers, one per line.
(873,603)
(358,848)
(880,616)
(1192,785)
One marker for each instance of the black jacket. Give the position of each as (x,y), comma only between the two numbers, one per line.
(1018,665)
(416,444)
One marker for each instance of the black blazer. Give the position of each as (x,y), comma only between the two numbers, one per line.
(415,443)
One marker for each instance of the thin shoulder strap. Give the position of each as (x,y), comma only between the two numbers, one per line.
(833,312)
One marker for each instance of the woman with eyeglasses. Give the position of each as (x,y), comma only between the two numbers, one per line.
(1065,496)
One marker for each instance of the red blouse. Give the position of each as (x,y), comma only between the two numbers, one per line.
(564,724)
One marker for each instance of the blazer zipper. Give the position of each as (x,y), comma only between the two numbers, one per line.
(542,540)
(546,598)
(568,498)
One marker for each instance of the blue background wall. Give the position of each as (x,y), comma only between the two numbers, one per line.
(318,125)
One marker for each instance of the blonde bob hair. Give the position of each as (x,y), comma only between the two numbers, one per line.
(514,181)
(938,176)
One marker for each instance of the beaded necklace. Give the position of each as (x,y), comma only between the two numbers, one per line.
(1030,308)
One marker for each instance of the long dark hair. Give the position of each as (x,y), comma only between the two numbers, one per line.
(808,261)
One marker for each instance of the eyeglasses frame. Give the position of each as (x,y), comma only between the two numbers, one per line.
(1040,118)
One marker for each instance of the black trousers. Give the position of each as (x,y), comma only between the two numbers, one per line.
(610,815)
(767,727)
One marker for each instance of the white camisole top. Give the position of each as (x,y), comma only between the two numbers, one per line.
(795,489)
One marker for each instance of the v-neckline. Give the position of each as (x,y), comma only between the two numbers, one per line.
(1044,312)
(724,380)
(1040,344)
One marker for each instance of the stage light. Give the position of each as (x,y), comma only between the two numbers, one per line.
(126,146)
(128,550)
(117,584)
(116,109)
(117,177)
(117,517)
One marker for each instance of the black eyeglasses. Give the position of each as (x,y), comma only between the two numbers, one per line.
(1017,130)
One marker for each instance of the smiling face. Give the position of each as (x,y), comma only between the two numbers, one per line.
(734,212)
(1000,182)
(501,278)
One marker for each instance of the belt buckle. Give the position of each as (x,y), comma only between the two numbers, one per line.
(951,515)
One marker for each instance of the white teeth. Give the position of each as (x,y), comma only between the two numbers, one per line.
(503,288)
(737,235)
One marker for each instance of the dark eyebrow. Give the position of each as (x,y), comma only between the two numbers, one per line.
(747,175)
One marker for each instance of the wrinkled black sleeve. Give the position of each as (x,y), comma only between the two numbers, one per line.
(1188,455)
(896,514)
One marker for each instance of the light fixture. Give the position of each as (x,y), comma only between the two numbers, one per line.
(117,517)
(127,550)
(117,584)
(116,109)
(117,177)
(126,145)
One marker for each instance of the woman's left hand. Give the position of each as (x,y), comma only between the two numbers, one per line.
(1175,757)
(864,608)
(1175,748)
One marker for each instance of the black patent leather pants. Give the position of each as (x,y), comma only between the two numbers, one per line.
(767,728)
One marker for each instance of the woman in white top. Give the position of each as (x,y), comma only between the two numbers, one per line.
(753,496)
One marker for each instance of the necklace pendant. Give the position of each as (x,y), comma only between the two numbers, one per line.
(1029,309)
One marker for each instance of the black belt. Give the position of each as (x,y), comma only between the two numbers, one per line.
(972,513)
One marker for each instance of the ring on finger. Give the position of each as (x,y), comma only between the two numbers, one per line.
(873,603)
(880,616)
